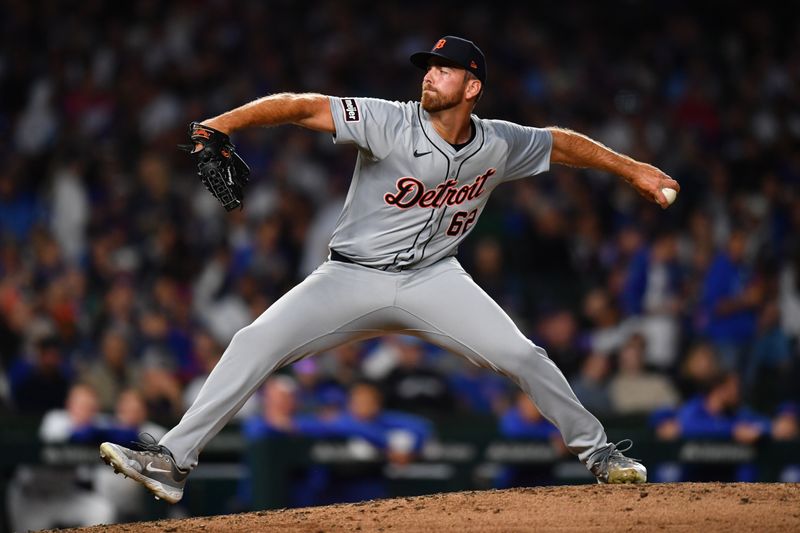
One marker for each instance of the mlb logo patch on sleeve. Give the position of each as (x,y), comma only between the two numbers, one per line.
(350,110)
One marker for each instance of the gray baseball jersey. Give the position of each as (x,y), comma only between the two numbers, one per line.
(412,200)
(413,197)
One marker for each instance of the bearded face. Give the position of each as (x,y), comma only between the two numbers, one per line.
(433,100)
(442,88)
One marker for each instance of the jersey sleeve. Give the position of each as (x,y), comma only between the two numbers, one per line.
(369,123)
(528,149)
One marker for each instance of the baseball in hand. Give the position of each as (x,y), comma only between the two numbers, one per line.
(669,194)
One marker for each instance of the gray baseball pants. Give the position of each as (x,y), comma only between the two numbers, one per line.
(342,302)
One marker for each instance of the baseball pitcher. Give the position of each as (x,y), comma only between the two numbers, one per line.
(423,175)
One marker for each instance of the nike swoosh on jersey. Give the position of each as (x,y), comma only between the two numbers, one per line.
(150,468)
(420,154)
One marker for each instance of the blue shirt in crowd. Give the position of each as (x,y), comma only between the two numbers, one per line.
(698,423)
(726,279)
(512,425)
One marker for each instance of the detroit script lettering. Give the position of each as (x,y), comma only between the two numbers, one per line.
(412,192)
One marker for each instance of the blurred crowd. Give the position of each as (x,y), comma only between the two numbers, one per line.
(118,271)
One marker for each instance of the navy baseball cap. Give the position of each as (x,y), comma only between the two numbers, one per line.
(460,51)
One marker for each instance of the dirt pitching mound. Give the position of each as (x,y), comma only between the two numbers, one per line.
(672,506)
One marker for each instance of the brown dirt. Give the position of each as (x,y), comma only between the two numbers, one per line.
(703,507)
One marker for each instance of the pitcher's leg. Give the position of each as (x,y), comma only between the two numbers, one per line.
(464,319)
(312,317)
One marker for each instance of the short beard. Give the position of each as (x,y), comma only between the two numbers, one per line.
(433,102)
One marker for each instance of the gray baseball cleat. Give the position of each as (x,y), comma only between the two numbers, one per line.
(153,466)
(610,466)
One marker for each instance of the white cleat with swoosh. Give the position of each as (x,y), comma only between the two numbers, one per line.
(153,466)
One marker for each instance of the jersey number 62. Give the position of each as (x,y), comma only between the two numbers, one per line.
(461,221)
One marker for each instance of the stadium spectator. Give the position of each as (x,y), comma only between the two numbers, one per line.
(20,207)
(607,331)
(278,414)
(768,374)
(699,368)
(524,421)
(43,497)
(477,391)
(786,428)
(653,292)
(43,386)
(5,393)
(341,366)
(113,371)
(789,296)
(636,390)
(324,398)
(731,295)
(413,385)
(591,384)
(375,435)
(558,330)
(786,423)
(490,273)
(119,299)
(399,435)
(719,415)
(278,417)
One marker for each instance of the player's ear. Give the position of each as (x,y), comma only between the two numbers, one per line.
(474,87)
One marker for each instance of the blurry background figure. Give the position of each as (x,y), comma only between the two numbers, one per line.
(341,366)
(523,421)
(718,414)
(636,390)
(786,428)
(70,208)
(113,371)
(769,371)
(731,295)
(277,412)
(131,414)
(130,420)
(607,331)
(488,271)
(162,393)
(558,330)
(43,497)
(653,292)
(789,295)
(591,384)
(700,367)
(478,391)
(414,385)
(374,436)
(324,398)
(44,385)
(5,394)
(278,417)
(786,424)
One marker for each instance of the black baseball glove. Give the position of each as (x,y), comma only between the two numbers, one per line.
(220,168)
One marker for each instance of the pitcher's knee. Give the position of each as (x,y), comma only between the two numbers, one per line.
(245,337)
(522,357)
(254,342)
